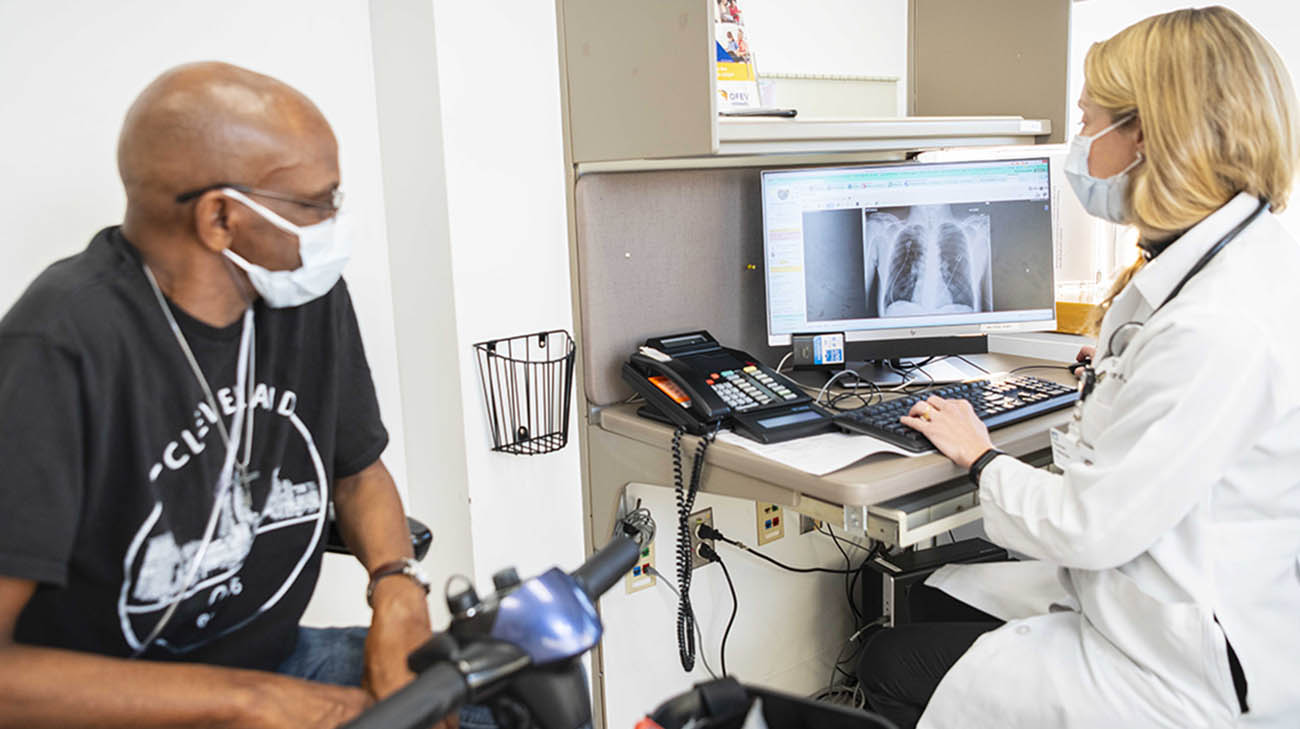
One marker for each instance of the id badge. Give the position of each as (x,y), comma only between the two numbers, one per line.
(1067,449)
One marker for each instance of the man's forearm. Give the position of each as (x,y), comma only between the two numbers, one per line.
(370,516)
(373,524)
(46,687)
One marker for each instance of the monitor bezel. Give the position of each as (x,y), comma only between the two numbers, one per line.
(906,332)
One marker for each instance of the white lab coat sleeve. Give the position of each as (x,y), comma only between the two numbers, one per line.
(1196,393)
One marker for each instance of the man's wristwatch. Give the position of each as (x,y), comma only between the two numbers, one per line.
(985,459)
(407,567)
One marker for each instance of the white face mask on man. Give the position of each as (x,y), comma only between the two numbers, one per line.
(323,247)
(1106,198)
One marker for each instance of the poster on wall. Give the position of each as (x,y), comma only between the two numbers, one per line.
(737,81)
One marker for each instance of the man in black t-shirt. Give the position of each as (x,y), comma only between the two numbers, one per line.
(180,404)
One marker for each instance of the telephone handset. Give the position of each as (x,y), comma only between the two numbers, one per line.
(693,381)
(673,379)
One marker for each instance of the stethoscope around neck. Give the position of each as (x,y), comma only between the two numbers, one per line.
(1125,333)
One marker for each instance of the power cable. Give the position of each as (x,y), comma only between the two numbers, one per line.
(710,554)
(707,532)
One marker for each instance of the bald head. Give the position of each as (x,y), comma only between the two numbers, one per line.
(205,123)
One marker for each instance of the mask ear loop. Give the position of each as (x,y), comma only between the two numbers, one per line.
(271,216)
(1136,161)
(1115,125)
(1121,122)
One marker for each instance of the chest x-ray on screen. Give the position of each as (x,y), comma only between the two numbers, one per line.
(927,259)
(898,261)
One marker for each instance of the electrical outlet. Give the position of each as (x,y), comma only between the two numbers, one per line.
(703,516)
(640,578)
(808,524)
(771,523)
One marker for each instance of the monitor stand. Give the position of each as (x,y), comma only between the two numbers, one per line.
(946,367)
(940,371)
(877,372)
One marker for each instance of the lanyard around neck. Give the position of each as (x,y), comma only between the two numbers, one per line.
(244,373)
(225,481)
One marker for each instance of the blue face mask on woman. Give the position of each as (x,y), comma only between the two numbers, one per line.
(1107,197)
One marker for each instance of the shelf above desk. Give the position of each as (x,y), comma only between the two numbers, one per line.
(772,142)
(760,135)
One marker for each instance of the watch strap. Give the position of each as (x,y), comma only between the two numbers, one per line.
(407,567)
(980,463)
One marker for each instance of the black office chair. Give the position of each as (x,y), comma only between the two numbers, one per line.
(421,538)
(723,704)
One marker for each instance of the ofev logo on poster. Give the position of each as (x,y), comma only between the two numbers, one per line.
(736,78)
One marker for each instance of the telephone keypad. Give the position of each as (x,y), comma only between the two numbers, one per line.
(734,396)
(749,388)
(781,390)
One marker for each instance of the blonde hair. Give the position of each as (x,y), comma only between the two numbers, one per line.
(1218,116)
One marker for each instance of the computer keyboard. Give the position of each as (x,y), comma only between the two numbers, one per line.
(997,402)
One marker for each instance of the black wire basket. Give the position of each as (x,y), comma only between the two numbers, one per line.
(527,381)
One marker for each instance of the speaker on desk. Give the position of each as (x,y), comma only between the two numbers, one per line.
(888,581)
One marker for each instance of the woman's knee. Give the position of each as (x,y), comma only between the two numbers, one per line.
(907,662)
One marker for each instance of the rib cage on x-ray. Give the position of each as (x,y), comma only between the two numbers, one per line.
(931,262)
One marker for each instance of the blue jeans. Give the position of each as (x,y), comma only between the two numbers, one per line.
(337,656)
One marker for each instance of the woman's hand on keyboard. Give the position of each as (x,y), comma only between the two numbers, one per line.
(1086,353)
(952,426)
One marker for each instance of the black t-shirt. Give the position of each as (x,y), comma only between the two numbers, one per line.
(110,457)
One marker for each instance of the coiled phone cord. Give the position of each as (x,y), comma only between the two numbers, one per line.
(685,493)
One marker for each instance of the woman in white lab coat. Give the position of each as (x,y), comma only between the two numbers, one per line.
(1164,585)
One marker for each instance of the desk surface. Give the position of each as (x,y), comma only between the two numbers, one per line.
(870,481)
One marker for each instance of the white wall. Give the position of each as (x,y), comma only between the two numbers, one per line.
(509,240)
(68,71)
(424,303)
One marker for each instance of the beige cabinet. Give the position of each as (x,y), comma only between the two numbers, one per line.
(639,83)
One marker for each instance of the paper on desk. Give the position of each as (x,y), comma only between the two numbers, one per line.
(817,454)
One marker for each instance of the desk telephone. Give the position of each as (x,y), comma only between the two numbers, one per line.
(693,381)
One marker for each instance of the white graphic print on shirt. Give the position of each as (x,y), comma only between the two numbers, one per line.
(292,491)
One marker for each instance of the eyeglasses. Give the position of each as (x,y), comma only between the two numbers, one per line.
(331,206)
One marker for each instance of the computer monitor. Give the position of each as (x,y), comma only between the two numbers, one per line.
(908,251)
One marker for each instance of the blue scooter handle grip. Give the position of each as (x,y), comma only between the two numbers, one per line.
(607,566)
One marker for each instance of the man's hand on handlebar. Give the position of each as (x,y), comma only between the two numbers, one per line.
(399,626)
(473,661)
